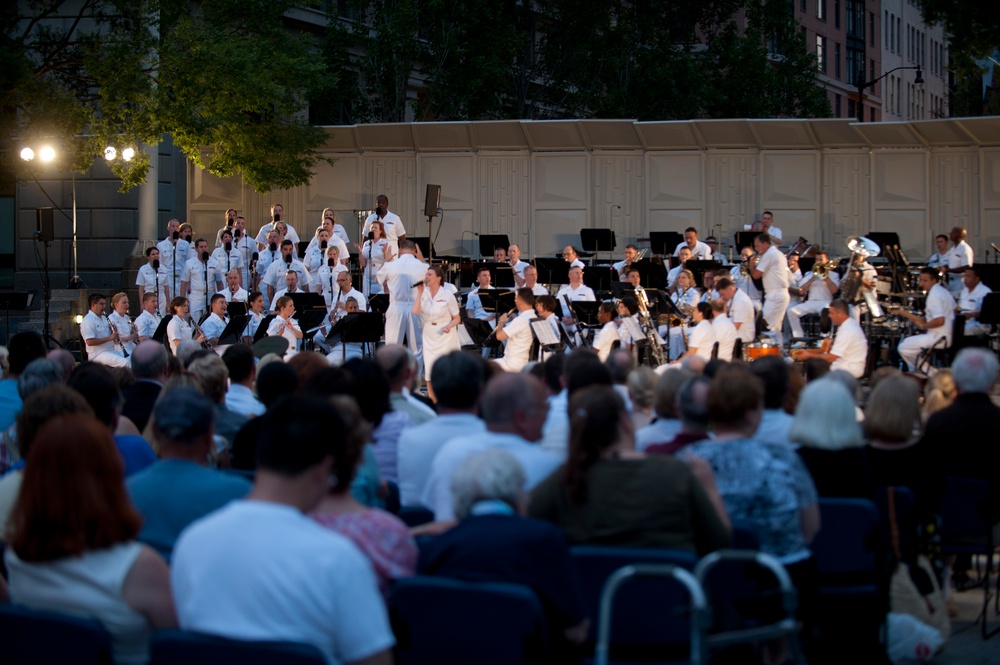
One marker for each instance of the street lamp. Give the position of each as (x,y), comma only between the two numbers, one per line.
(862,84)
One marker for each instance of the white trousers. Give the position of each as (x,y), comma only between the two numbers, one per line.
(910,348)
(775,304)
(796,313)
(109,358)
(401,324)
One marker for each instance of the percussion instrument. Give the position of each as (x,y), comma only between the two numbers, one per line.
(752,352)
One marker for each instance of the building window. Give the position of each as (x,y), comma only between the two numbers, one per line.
(885,26)
(871,28)
(820,9)
(836,61)
(836,106)
(802,6)
(821,53)
(871,70)
(855,65)
(871,114)
(852,108)
(836,14)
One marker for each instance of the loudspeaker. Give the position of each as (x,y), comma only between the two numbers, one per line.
(433,200)
(44,229)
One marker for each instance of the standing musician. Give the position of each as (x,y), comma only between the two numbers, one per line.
(572,257)
(229,224)
(376,251)
(315,250)
(181,328)
(149,319)
(153,276)
(338,229)
(517,332)
(274,276)
(740,309)
(700,251)
(326,276)
(397,277)
(215,324)
(122,324)
(228,255)
(849,351)
(622,267)
(970,302)
(740,275)
(277,210)
(772,268)
(267,256)
(393,225)
(284,325)
(516,264)
(531,281)
(174,255)
(233,291)
(939,314)
(960,256)
(202,276)
(247,247)
(817,287)
(103,345)
(939,258)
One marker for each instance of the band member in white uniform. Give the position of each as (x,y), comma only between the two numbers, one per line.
(228,255)
(201,277)
(818,292)
(869,280)
(474,304)
(247,247)
(152,276)
(122,324)
(959,257)
(391,222)
(608,334)
(850,346)
(326,276)
(939,315)
(274,278)
(397,278)
(215,324)
(573,292)
(285,325)
(291,286)
(743,281)
(725,331)
(344,351)
(622,267)
(345,291)
(516,332)
(794,278)
(233,291)
(740,309)
(939,258)
(267,256)
(572,257)
(772,268)
(766,225)
(440,315)
(970,302)
(257,314)
(682,258)
(338,229)
(373,255)
(700,251)
(531,281)
(149,319)
(103,346)
(171,249)
(685,297)
(277,212)
(181,328)
(516,264)
(332,240)
(701,336)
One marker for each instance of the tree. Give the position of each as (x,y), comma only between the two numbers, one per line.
(223,77)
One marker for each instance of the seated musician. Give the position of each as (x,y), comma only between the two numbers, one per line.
(739,308)
(725,331)
(516,332)
(344,351)
(682,258)
(817,287)
(291,286)
(575,291)
(215,324)
(572,257)
(869,278)
(149,320)
(685,297)
(700,336)
(970,302)
(939,315)
(531,281)
(257,314)
(622,267)
(849,350)
(608,334)
(283,325)
(699,250)
(233,291)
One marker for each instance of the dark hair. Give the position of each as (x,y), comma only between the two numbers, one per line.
(98,386)
(840,305)
(631,304)
(816,368)
(149,250)
(763,237)
(95,298)
(582,369)
(976,270)
(253,296)
(482,269)
(275,380)
(407,244)
(594,417)
(439,271)
(553,371)
(458,380)
(41,407)
(286,241)
(548,302)
(773,371)
(177,302)
(526,296)
(216,298)
(370,389)
(24,347)
(932,272)
(941,235)
(328,382)
(723,283)
(305,365)
(91,509)
(734,393)
(706,310)
(691,229)
(299,433)
(608,307)
(239,361)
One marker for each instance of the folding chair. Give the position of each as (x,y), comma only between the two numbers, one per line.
(172,646)
(37,637)
(441,621)
(967,528)
(651,619)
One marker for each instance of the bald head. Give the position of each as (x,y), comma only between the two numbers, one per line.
(65,359)
(395,360)
(515,403)
(149,361)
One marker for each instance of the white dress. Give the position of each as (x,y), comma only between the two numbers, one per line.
(436,312)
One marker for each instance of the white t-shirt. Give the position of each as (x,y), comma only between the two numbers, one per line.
(851,348)
(725,335)
(741,311)
(264,571)
(775,268)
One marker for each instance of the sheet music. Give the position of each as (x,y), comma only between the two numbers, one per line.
(633,329)
(544,333)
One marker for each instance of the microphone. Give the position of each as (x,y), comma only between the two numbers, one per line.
(288,259)
(322,244)
(204,256)
(254,257)
(229,247)
(331,263)
(175,235)
(276,217)
(273,247)
(237,233)
(416,284)
(371,235)
(156,264)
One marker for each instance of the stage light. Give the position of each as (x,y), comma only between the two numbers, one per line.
(110,153)
(27,154)
(128,154)
(47,154)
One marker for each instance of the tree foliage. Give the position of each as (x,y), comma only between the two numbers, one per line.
(223,77)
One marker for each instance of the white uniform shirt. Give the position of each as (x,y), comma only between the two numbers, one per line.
(940,303)
(519,339)
(520,267)
(342,297)
(194,275)
(741,311)
(279,294)
(539,290)
(851,348)
(184,251)
(475,303)
(392,224)
(275,275)
(605,338)
(744,284)
(282,327)
(399,276)
(326,280)
(95,327)
(213,326)
(701,252)
(818,291)
(958,256)
(775,268)
(264,230)
(702,338)
(146,324)
(235,260)
(125,328)
(241,295)
(316,255)
(581,293)
(265,258)
(149,279)
(725,335)
(972,301)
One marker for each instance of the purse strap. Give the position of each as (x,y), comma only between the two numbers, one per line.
(893,526)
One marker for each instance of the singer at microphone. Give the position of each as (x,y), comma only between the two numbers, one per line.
(152,278)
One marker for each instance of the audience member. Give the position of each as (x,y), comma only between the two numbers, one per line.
(581,368)
(149,366)
(65,360)
(666,425)
(214,377)
(39,374)
(775,422)
(692,409)
(74,550)
(371,391)
(641,383)
(939,393)
(260,569)
(240,398)
(458,381)
(179,488)
(402,370)
(22,348)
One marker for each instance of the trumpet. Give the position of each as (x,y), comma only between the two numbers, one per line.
(822,270)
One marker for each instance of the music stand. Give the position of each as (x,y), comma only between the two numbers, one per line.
(497,301)
(597,240)
(990,311)
(379,303)
(236,308)
(160,335)
(698,269)
(16,301)
(489,242)
(552,271)
(262,328)
(621,289)
(364,328)
(586,311)
(301,249)
(501,274)
(600,280)
(234,329)
(424,243)
(664,242)
(884,239)
(305,302)
(744,239)
(480,331)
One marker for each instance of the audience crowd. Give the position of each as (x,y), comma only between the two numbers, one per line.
(260,500)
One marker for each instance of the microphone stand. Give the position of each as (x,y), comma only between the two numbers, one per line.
(173,284)
(206,286)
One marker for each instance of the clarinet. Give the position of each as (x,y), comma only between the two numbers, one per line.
(196,331)
(120,345)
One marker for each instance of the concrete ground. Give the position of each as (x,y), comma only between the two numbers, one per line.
(966,645)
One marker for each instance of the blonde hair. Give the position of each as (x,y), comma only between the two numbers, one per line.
(118,297)
(939,392)
(893,411)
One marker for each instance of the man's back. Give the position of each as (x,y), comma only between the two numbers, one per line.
(419,445)
(139,401)
(264,571)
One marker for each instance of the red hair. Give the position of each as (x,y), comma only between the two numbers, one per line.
(73,495)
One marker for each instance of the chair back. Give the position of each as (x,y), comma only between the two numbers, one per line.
(37,637)
(965,517)
(172,646)
(848,547)
(441,621)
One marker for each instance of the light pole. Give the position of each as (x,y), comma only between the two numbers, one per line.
(862,84)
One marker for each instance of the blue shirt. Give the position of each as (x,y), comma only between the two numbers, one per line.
(10,403)
(173,493)
(135,451)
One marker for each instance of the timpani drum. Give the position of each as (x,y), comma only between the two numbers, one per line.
(752,352)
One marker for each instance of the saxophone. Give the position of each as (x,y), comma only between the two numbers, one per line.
(646,322)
